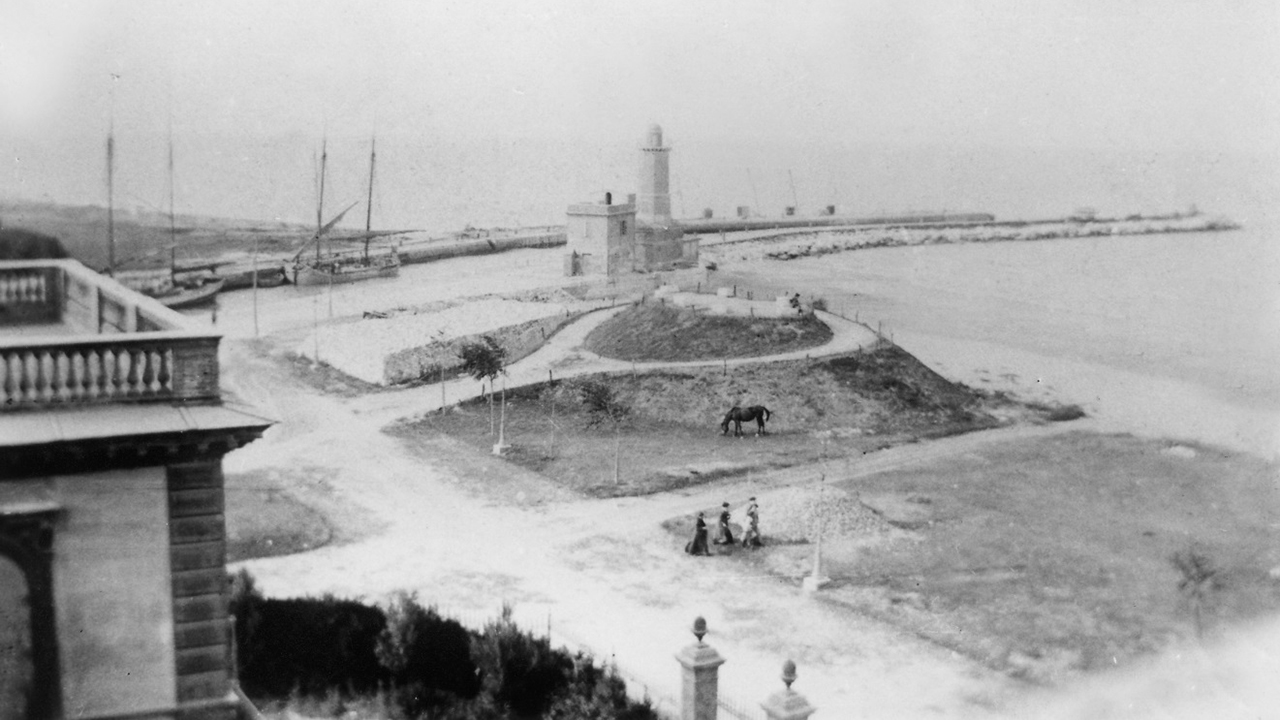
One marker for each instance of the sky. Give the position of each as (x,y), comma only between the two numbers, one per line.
(1101,74)
(1086,73)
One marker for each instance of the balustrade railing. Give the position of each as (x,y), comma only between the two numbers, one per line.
(115,345)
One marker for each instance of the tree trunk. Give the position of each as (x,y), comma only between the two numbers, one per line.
(617,453)
(492,428)
(502,423)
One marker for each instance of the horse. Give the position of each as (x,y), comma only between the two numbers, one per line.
(738,415)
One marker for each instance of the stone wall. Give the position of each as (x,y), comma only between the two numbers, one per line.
(112,593)
(427,360)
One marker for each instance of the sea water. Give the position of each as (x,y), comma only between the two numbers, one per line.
(1175,335)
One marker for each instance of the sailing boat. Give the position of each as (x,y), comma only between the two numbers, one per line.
(348,267)
(179,287)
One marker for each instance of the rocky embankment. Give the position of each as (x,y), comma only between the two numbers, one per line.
(790,246)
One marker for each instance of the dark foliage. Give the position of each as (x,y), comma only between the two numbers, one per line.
(19,244)
(594,691)
(434,667)
(521,672)
(306,645)
(602,404)
(484,359)
(429,658)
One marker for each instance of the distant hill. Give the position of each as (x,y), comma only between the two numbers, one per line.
(142,239)
(19,244)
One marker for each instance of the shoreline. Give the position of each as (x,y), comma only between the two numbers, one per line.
(1117,400)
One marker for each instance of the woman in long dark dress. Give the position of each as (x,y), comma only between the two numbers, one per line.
(724,535)
(698,545)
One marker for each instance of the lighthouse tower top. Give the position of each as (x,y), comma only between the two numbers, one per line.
(655,136)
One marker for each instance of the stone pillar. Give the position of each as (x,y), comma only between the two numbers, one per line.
(787,704)
(701,677)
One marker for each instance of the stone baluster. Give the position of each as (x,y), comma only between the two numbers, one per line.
(6,377)
(94,366)
(787,704)
(45,379)
(137,367)
(78,379)
(108,374)
(30,370)
(149,381)
(62,377)
(701,677)
(166,371)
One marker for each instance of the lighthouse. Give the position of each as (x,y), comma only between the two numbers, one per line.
(639,235)
(653,199)
(660,241)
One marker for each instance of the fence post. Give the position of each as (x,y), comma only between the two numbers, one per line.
(700,677)
(787,704)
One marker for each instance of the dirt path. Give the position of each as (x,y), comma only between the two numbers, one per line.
(602,573)
(564,357)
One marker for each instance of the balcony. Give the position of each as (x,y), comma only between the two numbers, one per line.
(70,337)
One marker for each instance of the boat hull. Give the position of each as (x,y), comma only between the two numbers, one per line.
(189,297)
(332,273)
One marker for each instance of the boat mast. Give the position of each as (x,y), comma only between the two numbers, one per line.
(111,221)
(173,232)
(324,158)
(368,213)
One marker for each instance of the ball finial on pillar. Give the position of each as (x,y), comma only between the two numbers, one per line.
(787,704)
(699,627)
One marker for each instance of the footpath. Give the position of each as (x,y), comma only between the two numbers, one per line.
(597,575)
(563,357)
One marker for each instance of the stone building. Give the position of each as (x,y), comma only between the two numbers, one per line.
(601,237)
(113,585)
(638,236)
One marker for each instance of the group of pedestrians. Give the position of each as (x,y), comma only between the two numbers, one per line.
(724,534)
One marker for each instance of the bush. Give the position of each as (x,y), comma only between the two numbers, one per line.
(428,657)
(520,672)
(338,650)
(597,692)
(308,646)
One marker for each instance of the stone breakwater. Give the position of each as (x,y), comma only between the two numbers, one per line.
(794,245)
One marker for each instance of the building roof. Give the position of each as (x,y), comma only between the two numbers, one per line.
(120,421)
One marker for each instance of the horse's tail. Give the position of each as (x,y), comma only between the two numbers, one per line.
(767,414)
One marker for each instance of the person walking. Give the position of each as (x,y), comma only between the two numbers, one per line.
(724,535)
(698,545)
(751,536)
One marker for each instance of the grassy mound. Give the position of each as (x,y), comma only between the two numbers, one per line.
(671,438)
(665,332)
